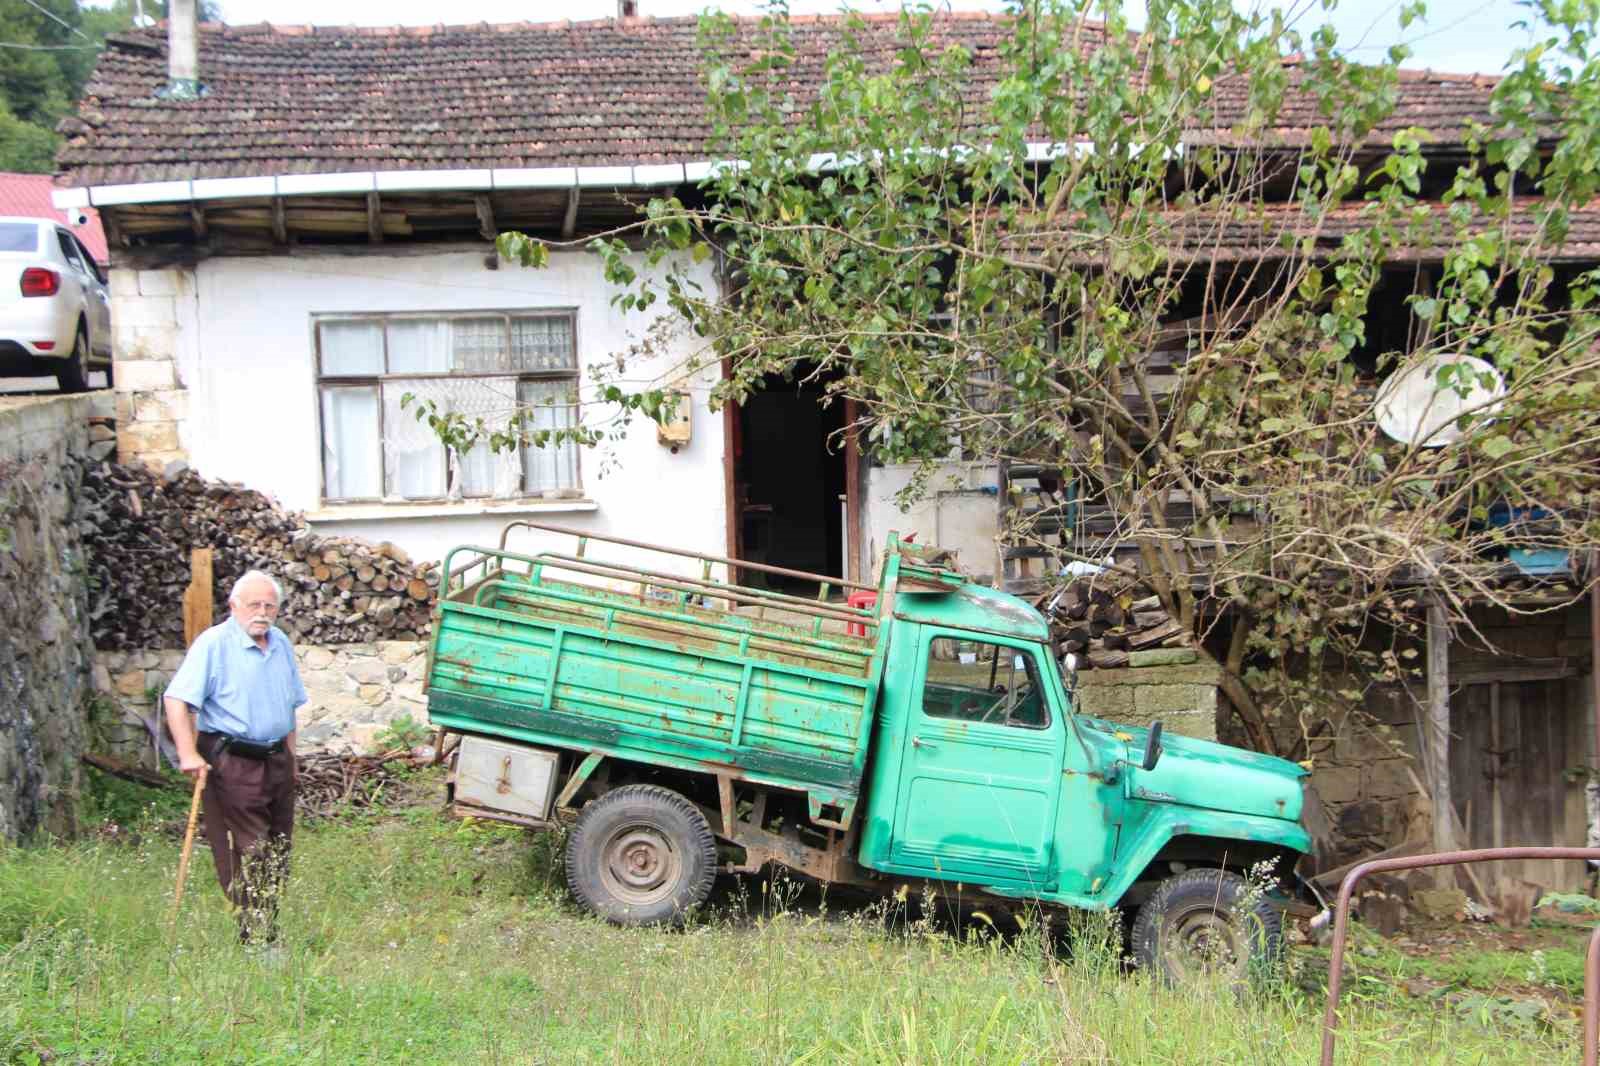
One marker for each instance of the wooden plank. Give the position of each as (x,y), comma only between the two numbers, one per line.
(374,218)
(1497,792)
(197,603)
(1438,722)
(280,225)
(1538,768)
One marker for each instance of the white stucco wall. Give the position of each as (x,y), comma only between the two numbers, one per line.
(960,512)
(247,362)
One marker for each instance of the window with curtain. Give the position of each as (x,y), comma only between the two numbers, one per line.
(477,364)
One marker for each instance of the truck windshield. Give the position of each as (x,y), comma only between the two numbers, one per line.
(19,237)
(977,681)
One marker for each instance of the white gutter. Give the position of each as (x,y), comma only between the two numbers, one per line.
(641,176)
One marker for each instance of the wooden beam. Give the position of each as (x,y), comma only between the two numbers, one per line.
(485,216)
(569,224)
(197,602)
(197,221)
(280,222)
(1439,728)
(115,237)
(374,218)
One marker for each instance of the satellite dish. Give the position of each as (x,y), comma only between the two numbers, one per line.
(1414,408)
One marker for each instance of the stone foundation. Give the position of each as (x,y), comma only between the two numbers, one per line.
(356,691)
(1182,694)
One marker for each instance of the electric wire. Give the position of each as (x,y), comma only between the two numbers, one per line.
(51,14)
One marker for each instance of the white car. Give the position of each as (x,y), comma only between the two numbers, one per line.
(55,312)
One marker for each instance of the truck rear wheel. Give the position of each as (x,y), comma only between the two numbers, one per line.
(641,855)
(1207,924)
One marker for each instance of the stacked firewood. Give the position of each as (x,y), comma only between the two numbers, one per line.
(139,527)
(1101,626)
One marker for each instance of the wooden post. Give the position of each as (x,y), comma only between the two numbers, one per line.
(1439,727)
(197,601)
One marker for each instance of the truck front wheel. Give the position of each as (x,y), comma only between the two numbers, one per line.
(1209,924)
(641,855)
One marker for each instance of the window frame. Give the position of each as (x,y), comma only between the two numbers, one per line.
(322,381)
(88,259)
(70,253)
(1035,668)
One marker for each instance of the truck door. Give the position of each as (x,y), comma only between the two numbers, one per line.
(981,765)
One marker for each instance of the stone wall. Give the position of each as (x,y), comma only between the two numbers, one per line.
(1176,685)
(147,311)
(356,691)
(45,648)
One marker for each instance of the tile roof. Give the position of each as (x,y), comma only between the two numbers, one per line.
(286,100)
(1260,231)
(28,196)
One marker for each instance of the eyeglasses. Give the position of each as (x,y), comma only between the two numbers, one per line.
(266,606)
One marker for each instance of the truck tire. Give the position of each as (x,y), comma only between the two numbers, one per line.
(641,855)
(1207,924)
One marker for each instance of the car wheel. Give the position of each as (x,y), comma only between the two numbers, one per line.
(71,376)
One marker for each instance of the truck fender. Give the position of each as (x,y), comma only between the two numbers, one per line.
(1169,822)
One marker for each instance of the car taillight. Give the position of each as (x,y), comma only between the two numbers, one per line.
(37,281)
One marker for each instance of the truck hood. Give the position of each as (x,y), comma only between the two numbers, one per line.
(1200,773)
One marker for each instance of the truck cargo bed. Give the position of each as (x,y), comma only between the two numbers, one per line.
(563,650)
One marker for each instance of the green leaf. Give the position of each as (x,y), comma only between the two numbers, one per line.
(1497,446)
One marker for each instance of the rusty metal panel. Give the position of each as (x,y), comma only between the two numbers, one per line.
(505,777)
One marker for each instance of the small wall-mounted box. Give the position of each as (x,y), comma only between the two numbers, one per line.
(677,431)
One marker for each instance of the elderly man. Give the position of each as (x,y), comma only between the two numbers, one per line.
(241,679)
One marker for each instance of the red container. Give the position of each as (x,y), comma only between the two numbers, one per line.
(861,598)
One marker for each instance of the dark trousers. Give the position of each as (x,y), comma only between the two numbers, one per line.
(249,811)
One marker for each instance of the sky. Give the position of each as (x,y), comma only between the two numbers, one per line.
(1465,36)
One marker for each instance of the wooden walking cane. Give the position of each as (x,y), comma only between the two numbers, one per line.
(188,845)
(196,620)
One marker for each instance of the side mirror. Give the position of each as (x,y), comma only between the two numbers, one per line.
(1069,675)
(1152,747)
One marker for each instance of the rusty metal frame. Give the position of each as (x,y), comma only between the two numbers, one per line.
(582,535)
(1341,929)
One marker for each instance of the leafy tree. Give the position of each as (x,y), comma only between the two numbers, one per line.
(48,53)
(970,296)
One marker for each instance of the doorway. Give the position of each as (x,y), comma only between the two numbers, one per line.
(790,493)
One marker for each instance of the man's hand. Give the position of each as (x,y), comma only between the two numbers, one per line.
(191,763)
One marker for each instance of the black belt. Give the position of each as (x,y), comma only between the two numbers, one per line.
(249,749)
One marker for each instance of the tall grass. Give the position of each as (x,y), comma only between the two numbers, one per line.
(414,939)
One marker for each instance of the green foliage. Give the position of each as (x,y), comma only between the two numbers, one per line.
(1571,902)
(404,732)
(43,76)
(418,939)
(898,240)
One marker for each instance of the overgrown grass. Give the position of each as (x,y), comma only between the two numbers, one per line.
(415,939)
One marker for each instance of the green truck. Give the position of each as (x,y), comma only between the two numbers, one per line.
(918,731)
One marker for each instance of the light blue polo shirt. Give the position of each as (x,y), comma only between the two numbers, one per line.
(239,689)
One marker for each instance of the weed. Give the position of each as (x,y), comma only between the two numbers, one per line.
(404,732)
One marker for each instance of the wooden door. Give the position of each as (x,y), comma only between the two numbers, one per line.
(1513,751)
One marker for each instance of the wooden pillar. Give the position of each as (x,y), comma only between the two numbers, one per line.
(1439,726)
